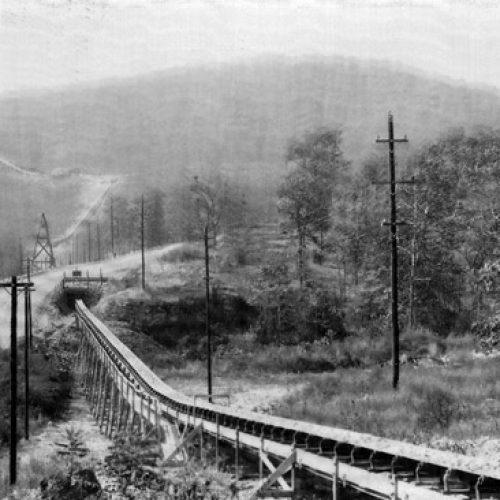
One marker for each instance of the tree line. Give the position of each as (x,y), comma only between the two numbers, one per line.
(446,247)
(332,213)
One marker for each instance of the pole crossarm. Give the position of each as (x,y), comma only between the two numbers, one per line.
(19,284)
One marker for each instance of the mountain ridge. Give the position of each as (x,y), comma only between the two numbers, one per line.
(237,117)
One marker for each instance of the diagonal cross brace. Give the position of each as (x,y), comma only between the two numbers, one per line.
(273,470)
(276,475)
(185,441)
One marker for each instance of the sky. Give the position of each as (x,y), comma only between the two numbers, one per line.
(54,43)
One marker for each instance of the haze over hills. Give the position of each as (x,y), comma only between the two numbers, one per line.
(235,117)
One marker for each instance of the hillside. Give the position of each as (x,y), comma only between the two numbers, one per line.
(235,117)
(64,198)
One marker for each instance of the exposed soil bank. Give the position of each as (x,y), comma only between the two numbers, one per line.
(179,323)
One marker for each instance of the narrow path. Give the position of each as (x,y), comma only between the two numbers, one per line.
(79,418)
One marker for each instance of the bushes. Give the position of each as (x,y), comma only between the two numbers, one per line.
(290,316)
(487,333)
(435,405)
(49,391)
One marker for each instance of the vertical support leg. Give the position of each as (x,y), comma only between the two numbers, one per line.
(101,391)
(217,434)
(261,465)
(157,421)
(121,405)
(130,420)
(95,378)
(104,401)
(109,426)
(335,477)
(236,455)
(86,370)
(150,401)
(142,429)
(201,443)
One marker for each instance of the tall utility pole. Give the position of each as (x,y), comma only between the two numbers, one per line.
(413,256)
(98,229)
(207,315)
(394,250)
(27,347)
(112,229)
(89,238)
(142,245)
(13,382)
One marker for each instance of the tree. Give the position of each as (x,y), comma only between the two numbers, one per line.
(156,233)
(456,224)
(305,196)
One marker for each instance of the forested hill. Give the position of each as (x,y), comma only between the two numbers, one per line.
(236,117)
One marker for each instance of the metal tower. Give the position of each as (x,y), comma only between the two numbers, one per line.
(43,255)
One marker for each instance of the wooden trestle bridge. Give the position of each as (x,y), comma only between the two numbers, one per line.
(125,395)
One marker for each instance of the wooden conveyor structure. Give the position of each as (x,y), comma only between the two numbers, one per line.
(125,395)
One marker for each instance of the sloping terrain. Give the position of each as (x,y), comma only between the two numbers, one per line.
(65,197)
(235,117)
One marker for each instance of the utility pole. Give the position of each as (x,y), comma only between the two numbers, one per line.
(112,229)
(13,285)
(394,248)
(413,256)
(13,382)
(89,241)
(142,245)
(27,347)
(207,315)
(98,229)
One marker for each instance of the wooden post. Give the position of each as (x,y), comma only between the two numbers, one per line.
(236,455)
(98,241)
(101,390)
(112,229)
(261,465)
(207,316)
(104,401)
(130,423)
(157,421)
(143,259)
(217,440)
(109,426)
(335,477)
(141,418)
(92,380)
(27,347)
(13,382)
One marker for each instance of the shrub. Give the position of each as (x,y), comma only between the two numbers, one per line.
(419,342)
(487,333)
(290,316)
(435,405)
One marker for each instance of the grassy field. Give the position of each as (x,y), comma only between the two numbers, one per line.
(447,397)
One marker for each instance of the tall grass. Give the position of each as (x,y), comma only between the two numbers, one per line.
(431,401)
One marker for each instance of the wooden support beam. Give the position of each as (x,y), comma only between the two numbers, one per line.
(101,391)
(263,489)
(186,440)
(263,456)
(104,401)
(109,427)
